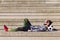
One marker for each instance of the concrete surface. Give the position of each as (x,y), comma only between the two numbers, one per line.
(30,34)
(12,13)
(29,38)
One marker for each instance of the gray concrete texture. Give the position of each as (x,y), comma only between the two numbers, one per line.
(13,12)
(30,34)
(29,38)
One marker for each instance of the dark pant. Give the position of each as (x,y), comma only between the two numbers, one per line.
(26,26)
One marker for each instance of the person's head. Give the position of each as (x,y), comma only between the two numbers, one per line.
(47,23)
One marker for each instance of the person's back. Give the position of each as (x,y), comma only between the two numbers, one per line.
(46,26)
(38,28)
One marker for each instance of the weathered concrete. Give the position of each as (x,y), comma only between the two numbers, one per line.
(12,13)
(30,34)
(29,38)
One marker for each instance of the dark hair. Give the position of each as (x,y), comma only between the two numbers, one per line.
(50,22)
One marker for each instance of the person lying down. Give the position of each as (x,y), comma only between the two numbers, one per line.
(47,26)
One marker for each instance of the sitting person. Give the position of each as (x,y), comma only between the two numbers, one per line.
(28,27)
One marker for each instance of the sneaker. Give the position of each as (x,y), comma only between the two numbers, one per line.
(5,28)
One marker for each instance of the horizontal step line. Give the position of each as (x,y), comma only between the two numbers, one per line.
(23,25)
(22,21)
(52,2)
(13,21)
(23,1)
(41,6)
(19,6)
(34,7)
(27,12)
(30,15)
(18,13)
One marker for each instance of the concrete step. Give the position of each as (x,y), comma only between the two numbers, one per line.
(44,17)
(29,34)
(29,38)
(31,20)
(14,23)
(23,0)
(30,3)
(29,14)
(29,6)
(29,10)
(21,23)
(14,27)
(20,3)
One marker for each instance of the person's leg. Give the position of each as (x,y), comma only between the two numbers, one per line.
(19,29)
(6,29)
(26,26)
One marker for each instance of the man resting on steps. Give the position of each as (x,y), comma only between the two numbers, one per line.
(29,27)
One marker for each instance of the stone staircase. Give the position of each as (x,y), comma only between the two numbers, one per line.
(13,13)
(17,20)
